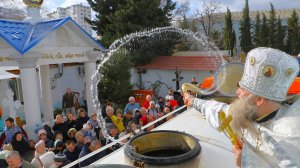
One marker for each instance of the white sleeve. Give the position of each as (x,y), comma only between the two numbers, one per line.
(210,109)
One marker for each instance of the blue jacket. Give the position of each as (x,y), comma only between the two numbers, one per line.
(131,107)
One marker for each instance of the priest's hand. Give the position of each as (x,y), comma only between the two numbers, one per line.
(237,149)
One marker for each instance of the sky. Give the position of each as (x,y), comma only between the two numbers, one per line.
(233,5)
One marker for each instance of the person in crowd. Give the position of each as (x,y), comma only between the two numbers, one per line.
(153,110)
(44,161)
(87,130)
(137,115)
(179,98)
(71,134)
(79,139)
(173,102)
(113,132)
(6,149)
(42,135)
(58,146)
(89,148)
(71,151)
(150,118)
(167,111)
(168,104)
(61,125)
(160,114)
(109,113)
(194,81)
(147,101)
(127,118)
(161,103)
(118,120)
(19,144)
(58,135)
(60,160)
(143,119)
(49,133)
(68,101)
(31,144)
(14,160)
(71,120)
(132,128)
(81,119)
(131,105)
(95,123)
(10,129)
(267,129)
(170,93)
(40,149)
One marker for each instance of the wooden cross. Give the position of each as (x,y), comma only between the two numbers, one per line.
(224,125)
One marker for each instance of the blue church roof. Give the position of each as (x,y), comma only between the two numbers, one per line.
(23,35)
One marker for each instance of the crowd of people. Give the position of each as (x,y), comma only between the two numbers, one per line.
(74,136)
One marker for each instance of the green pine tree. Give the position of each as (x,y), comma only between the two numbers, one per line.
(279,36)
(116,18)
(264,32)
(272,26)
(292,41)
(256,35)
(229,35)
(115,84)
(245,30)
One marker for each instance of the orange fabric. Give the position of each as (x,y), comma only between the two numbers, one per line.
(207,82)
(295,87)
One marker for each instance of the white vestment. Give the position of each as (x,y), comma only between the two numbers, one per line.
(278,144)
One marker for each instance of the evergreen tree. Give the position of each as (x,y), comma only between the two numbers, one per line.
(293,34)
(264,32)
(115,83)
(229,35)
(279,36)
(272,26)
(256,36)
(245,30)
(116,18)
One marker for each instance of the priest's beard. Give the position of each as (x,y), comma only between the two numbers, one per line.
(243,112)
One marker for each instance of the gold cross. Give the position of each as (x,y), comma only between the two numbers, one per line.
(224,125)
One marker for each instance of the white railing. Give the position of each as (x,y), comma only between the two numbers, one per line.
(121,139)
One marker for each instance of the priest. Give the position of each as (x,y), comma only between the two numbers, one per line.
(267,128)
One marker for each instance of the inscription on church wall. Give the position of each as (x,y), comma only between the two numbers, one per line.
(59,56)
(4,59)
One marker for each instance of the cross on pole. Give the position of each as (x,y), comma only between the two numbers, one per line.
(10,103)
(177,79)
(224,125)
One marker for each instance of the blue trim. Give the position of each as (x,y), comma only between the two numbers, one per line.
(34,42)
(27,28)
(28,41)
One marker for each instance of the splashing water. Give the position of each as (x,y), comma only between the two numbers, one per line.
(198,37)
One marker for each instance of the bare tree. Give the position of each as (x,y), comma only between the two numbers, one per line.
(207,17)
(182,9)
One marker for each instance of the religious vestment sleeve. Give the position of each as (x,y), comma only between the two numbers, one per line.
(210,109)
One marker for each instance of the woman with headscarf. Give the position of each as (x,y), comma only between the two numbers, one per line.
(40,149)
(22,146)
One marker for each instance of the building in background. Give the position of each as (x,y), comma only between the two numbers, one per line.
(77,12)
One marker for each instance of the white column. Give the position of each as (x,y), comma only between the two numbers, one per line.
(46,93)
(30,94)
(90,69)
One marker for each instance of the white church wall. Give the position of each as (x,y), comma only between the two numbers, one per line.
(69,79)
